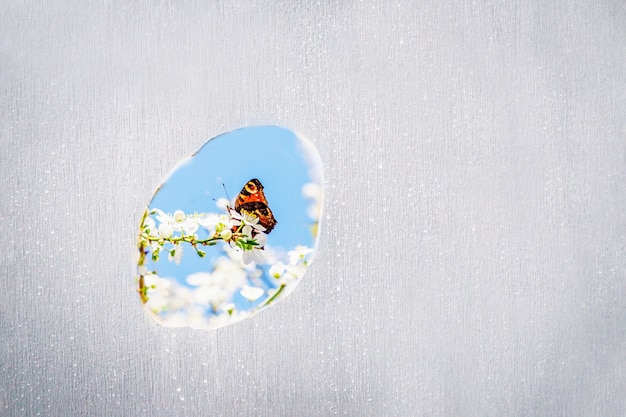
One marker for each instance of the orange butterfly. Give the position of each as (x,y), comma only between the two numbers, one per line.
(252,200)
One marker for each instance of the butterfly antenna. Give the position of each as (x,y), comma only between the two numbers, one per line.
(226,192)
(227,196)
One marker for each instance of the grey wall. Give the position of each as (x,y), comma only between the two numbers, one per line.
(473,251)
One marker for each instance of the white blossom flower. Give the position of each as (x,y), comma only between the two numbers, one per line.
(178,254)
(226,234)
(228,307)
(169,223)
(154,245)
(153,280)
(225,222)
(246,218)
(149,225)
(255,254)
(163,217)
(190,225)
(261,239)
(293,273)
(159,292)
(221,320)
(247,231)
(277,270)
(299,253)
(179,216)
(209,221)
(166,230)
(251,293)
(157,302)
(235,218)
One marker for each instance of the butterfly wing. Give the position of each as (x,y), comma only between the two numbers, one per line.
(252,200)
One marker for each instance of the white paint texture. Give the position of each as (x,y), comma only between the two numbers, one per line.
(473,255)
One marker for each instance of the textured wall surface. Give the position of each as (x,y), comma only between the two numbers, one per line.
(473,251)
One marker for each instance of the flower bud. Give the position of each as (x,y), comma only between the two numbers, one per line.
(165,230)
(179,216)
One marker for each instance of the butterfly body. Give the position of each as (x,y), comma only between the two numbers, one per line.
(252,200)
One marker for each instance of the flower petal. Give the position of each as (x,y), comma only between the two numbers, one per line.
(251,293)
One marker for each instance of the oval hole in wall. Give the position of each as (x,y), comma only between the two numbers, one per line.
(232,230)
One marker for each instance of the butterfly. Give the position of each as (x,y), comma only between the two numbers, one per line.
(252,200)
